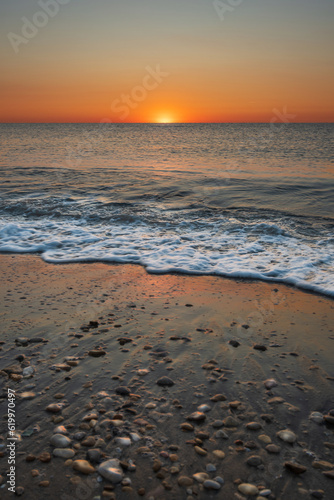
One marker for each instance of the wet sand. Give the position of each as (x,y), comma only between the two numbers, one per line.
(73,335)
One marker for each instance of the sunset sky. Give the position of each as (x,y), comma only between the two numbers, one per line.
(166,60)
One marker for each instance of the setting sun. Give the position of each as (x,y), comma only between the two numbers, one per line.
(164,119)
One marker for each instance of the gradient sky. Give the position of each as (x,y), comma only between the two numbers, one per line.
(265,55)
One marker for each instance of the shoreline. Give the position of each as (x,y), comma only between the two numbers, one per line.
(171,325)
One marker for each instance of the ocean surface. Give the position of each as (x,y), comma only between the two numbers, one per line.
(238,200)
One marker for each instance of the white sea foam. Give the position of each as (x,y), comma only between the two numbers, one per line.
(239,250)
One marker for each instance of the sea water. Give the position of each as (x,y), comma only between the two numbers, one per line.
(239,200)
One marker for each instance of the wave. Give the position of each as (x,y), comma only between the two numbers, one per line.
(218,245)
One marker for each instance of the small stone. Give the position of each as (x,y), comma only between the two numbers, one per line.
(317,417)
(254,426)
(317,494)
(234,343)
(110,470)
(200,477)
(83,466)
(218,397)
(322,465)
(165,382)
(123,441)
(44,484)
(270,383)
(97,353)
(254,461)
(197,416)
(204,408)
(200,451)
(329,419)
(211,468)
(211,485)
(217,424)
(230,422)
(185,481)
(54,408)
(264,438)
(219,454)
(186,427)
(28,371)
(156,466)
(248,489)
(63,453)
(221,434)
(45,457)
(122,391)
(259,347)
(329,474)
(287,436)
(273,449)
(295,468)
(60,441)
(265,493)
(19,490)
(143,373)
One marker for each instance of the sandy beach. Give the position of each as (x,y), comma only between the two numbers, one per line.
(131,385)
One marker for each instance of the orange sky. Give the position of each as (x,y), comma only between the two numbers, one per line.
(96,61)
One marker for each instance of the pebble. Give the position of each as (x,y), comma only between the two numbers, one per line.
(83,466)
(63,452)
(185,481)
(97,353)
(254,461)
(111,471)
(45,457)
(218,397)
(211,468)
(234,343)
(265,493)
(270,383)
(287,436)
(317,417)
(329,474)
(329,419)
(197,416)
(264,438)
(273,448)
(219,454)
(248,489)
(254,426)
(122,391)
(28,371)
(200,451)
(60,441)
(221,434)
(27,395)
(204,408)
(123,441)
(209,484)
(295,468)
(187,427)
(143,372)
(230,422)
(61,430)
(165,382)
(54,408)
(200,477)
(217,424)
(322,464)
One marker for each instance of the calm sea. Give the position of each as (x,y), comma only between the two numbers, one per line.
(252,201)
